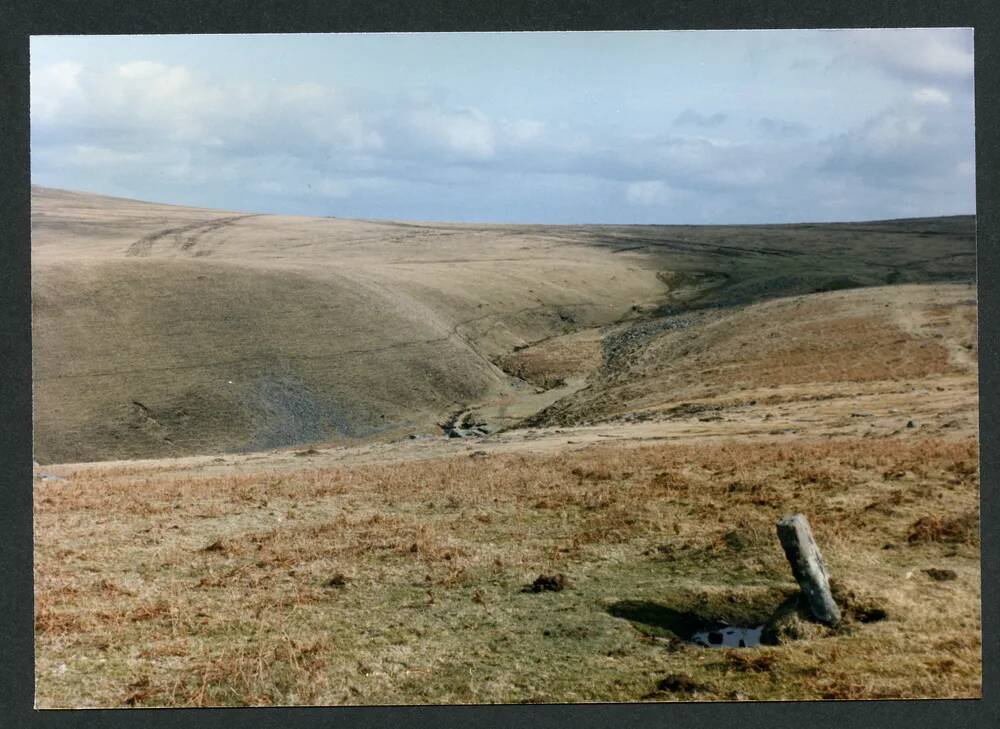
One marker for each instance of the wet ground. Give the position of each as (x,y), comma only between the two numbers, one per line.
(728,636)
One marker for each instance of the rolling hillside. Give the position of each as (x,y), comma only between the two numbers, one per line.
(654,399)
(163,331)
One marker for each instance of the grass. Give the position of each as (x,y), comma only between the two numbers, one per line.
(402,583)
(386,579)
(860,338)
(552,362)
(245,333)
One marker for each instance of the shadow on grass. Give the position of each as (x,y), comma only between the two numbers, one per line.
(659,620)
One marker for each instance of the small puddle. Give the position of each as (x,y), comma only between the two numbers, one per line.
(728,636)
(666,622)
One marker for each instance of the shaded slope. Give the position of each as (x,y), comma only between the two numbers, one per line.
(711,266)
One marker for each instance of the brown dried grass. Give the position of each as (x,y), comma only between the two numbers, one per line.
(433,555)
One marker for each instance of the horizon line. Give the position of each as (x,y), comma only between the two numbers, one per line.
(35,186)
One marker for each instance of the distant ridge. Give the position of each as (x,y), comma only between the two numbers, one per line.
(235,332)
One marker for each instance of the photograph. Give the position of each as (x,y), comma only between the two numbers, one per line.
(450,368)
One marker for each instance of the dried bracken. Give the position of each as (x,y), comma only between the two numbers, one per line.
(432,556)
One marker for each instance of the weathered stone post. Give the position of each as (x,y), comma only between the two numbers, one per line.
(808,567)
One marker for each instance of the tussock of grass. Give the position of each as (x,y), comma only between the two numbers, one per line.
(961,529)
(402,582)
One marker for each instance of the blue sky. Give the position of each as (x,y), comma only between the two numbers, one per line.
(609,127)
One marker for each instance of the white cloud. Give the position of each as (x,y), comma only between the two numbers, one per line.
(88,155)
(890,130)
(911,146)
(931,95)
(52,87)
(650,192)
(467,133)
(171,129)
(522,131)
(157,79)
(915,53)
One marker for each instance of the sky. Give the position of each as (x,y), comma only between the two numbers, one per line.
(684,127)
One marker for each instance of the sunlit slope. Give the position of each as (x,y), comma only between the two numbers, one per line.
(165,331)
(841,344)
(138,358)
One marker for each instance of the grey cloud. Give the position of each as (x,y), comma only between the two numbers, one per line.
(690,117)
(313,149)
(781,127)
(907,147)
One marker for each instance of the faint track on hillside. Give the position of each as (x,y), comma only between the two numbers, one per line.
(186,236)
(453,331)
